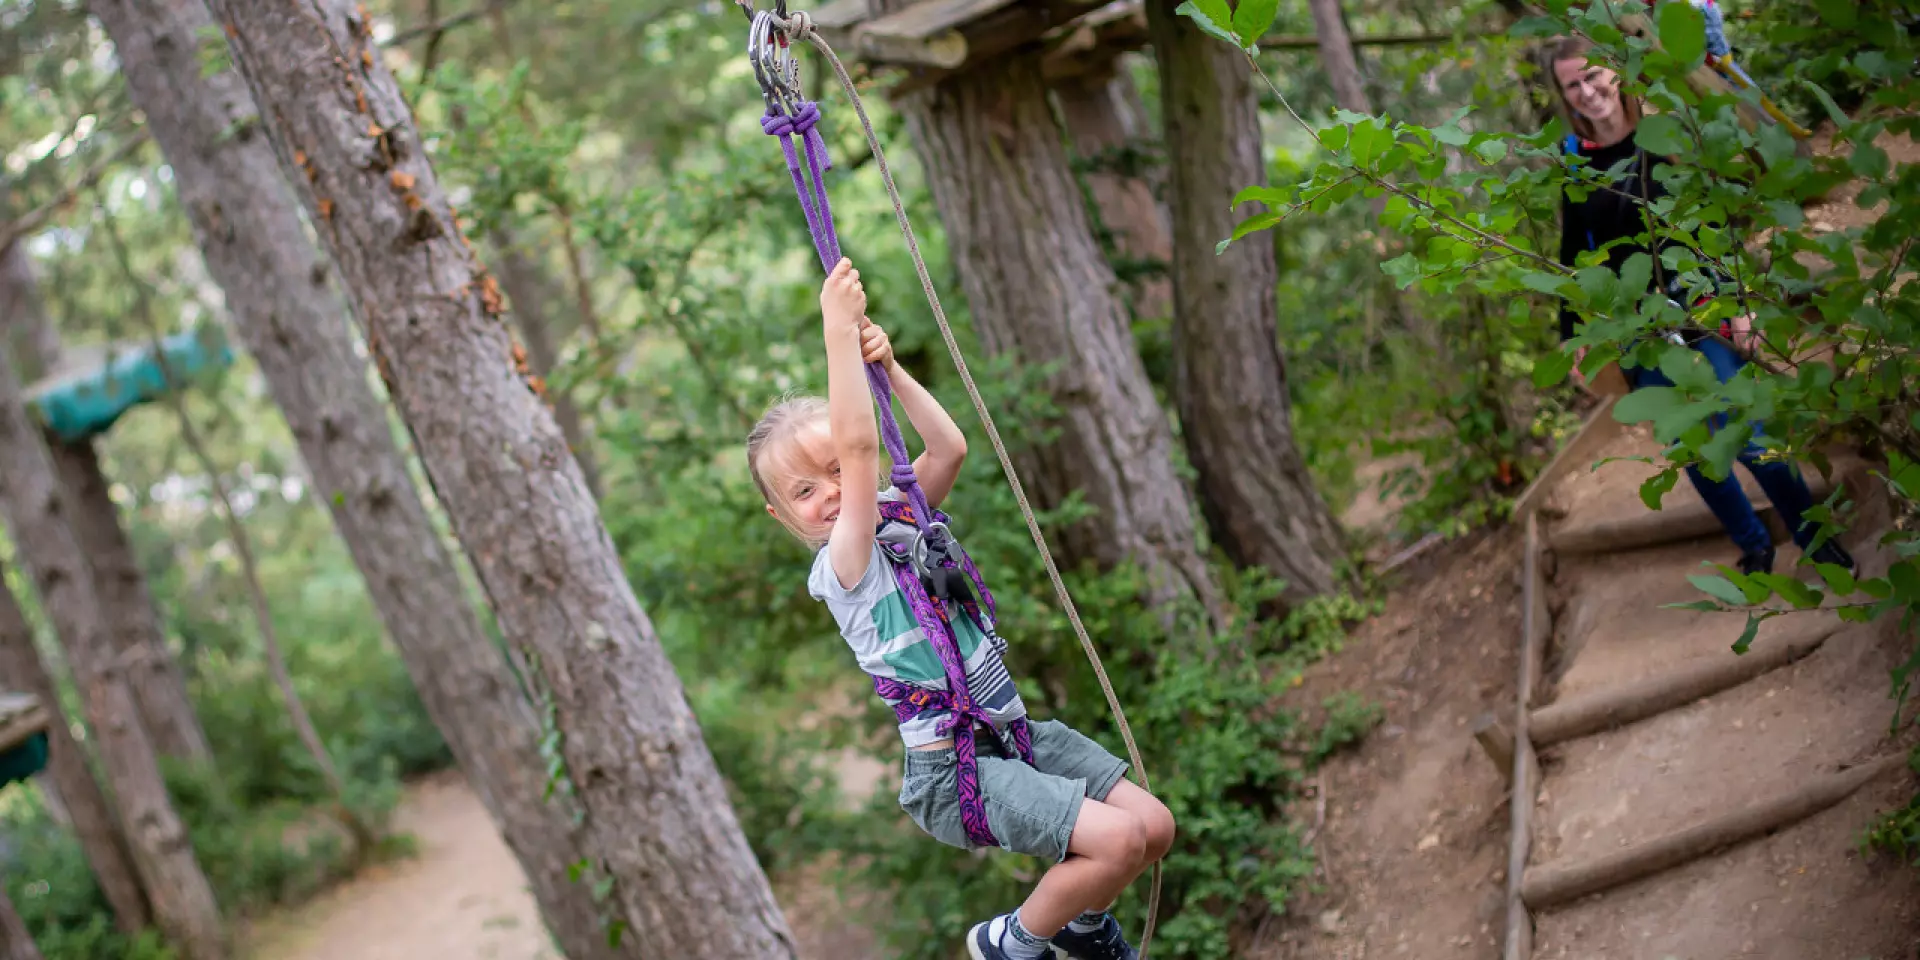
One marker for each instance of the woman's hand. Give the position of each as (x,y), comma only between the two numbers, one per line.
(875,347)
(843,301)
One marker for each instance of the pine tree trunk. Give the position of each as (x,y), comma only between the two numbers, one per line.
(658,821)
(250,232)
(36,511)
(1337,57)
(67,773)
(158,688)
(1104,118)
(1230,382)
(15,942)
(1041,293)
(133,621)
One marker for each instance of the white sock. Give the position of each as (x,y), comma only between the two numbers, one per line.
(1088,922)
(1015,940)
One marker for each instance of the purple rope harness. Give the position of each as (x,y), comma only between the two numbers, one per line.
(933,615)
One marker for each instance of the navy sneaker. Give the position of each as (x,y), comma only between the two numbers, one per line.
(1759,561)
(1106,943)
(1832,552)
(980,944)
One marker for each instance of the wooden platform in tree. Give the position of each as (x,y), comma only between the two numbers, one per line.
(21,716)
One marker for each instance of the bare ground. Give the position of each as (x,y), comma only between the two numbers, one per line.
(1413,837)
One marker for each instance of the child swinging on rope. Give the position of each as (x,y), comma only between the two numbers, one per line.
(911,605)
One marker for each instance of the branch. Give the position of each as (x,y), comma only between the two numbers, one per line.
(36,218)
(438,27)
(1278,41)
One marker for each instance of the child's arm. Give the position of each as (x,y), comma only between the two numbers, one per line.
(939,465)
(856,441)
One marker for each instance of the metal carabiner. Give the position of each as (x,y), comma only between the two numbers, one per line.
(775,67)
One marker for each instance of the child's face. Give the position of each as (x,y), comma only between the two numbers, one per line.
(805,477)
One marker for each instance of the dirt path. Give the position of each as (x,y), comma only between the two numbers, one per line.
(462,896)
(1412,834)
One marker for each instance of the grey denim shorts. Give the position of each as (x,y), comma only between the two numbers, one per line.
(1032,809)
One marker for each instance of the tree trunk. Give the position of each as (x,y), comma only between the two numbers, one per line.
(15,942)
(655,810)
(36,510)
(67,774)
(1041,293)
(1104,119)
(1336,55)
(249,229)
(527,296)
(1230,382)
(133,621)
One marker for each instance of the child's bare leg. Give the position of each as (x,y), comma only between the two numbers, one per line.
(1105,853)
(1153,814)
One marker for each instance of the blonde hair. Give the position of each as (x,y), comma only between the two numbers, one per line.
(777,428)
(1577,48)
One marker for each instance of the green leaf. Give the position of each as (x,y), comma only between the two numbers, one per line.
(1877,588)
(1719,588)
(1646,404)
(1252,19)
(1839,579)
(1790,590)
(1683,32)
(1702,606)
(1837,14)
(1549,283)
(1253,224)
(1452,135)
(1491,151)
(1212,17)
(1551,368)
(1868,161)
(1749,632)
(1837,115)
(1661,133)
(1334,137)
(1906,582)
(1657,487)
(1261,194)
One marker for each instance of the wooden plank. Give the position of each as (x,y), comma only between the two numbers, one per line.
(1606,709)
(1526,764)
(1555,884)
(21,716)
(1599,429)
(930,18)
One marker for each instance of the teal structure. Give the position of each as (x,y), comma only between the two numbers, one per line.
(81,403)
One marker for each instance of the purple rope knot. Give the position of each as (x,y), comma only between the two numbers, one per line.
(902,476)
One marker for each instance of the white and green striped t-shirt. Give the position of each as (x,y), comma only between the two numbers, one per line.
(877,620)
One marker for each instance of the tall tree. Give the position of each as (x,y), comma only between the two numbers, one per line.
(36,510)
(1337,56)
(15,942)
(1107,127)
(1042,295)
(133,621)
(655,810)
(1230,382)
(527,296)
(248,225)
(101,841)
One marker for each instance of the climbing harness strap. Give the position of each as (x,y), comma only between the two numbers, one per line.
(957,583)
(769,47)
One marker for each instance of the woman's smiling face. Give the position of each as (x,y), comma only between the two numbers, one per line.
(1592,91)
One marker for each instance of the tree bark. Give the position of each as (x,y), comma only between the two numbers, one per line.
(15,942)
(1103,116)
(133,620)
(1337,57)
(654,809)
(527,296)
(1230,381)
(250,232)
(1042,294)
(105,847)
(36,510)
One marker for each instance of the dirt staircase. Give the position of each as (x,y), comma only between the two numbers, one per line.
(1671,799)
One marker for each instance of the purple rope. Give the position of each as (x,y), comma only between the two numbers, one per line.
(812,188)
